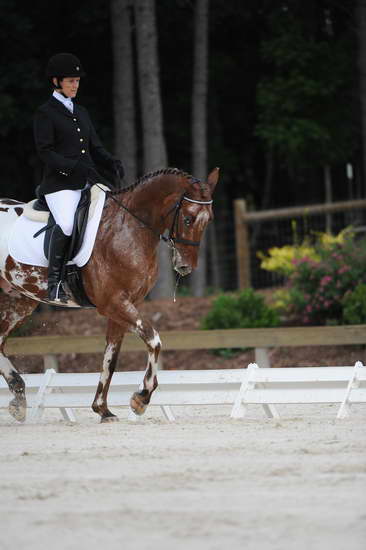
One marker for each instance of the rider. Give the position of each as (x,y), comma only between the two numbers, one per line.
(69,147)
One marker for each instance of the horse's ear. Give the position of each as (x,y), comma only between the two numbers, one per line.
(213,178)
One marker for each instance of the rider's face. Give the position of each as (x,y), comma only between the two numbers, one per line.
(69,85)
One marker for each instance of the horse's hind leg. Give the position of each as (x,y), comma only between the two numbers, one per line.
(13,312)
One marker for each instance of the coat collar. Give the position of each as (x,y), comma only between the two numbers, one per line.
(56,104)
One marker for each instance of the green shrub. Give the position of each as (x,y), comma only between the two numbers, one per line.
(246,309)
(354,306)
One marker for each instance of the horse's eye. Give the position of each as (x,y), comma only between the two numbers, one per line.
(187,220)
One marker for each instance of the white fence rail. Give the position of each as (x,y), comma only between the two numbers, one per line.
(237,387)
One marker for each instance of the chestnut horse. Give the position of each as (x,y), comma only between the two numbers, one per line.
(119,274)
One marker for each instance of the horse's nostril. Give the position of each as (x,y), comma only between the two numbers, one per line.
(183,269)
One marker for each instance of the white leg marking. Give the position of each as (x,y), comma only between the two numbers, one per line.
(108,354)
(5,366)
(154,343)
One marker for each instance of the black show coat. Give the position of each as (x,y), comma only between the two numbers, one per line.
(62,139)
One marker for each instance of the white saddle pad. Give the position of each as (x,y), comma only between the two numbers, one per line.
(26,249)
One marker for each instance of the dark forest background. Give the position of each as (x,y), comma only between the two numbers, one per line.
(284,98)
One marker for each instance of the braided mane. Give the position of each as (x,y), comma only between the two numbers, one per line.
(162,172)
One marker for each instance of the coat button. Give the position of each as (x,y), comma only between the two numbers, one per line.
(78,129)
(83,150)
(74,119)
(81,139)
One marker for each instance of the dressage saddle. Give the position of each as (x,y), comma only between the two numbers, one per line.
(72,273)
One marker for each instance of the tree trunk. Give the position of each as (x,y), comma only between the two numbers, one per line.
(155,154)
(266,196)
(123,88)
(199,126)
(361,21)
(328,192)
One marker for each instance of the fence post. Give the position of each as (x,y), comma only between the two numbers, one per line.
(50,362)
(242,244)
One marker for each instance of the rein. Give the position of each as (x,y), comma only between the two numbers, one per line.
(170,240)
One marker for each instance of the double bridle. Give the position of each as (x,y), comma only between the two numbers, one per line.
(174,229)
(173,236)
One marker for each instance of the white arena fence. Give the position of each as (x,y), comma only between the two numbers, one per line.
(240,388)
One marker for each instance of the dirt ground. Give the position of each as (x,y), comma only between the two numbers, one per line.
(205,482)
(187,314)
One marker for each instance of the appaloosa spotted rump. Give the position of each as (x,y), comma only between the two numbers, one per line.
(121,271)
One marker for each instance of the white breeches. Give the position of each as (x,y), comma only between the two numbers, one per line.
(63,206)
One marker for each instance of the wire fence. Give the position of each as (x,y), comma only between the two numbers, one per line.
(258,231)
(280,232)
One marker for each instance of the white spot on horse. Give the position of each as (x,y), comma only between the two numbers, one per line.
(5,366)
(13,318)
(139,324)
(202,218)
(108,356)
(155,342)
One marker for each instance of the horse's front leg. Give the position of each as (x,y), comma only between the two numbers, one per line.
(140,400)
(115,333)
(124,313)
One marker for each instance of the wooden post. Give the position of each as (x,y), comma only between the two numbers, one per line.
(242,244)
(50,362)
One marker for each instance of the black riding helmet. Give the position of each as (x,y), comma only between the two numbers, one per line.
(64,65)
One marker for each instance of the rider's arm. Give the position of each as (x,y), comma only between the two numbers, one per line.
(98,153)
(44,136)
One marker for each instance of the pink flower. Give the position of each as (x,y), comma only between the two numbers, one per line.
(325,280)
(343,269)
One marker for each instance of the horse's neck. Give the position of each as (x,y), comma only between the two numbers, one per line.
(155,196)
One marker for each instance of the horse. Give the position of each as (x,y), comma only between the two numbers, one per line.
(121,271)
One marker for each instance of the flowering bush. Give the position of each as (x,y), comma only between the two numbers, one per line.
(281,260)
(318,282)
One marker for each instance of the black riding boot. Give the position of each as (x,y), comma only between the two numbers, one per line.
(57,256)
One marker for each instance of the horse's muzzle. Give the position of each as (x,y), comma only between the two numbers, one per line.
(180,265)
(183,269)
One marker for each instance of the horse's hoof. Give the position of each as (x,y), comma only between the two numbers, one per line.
(18,408)
(106,419)
(137,405)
